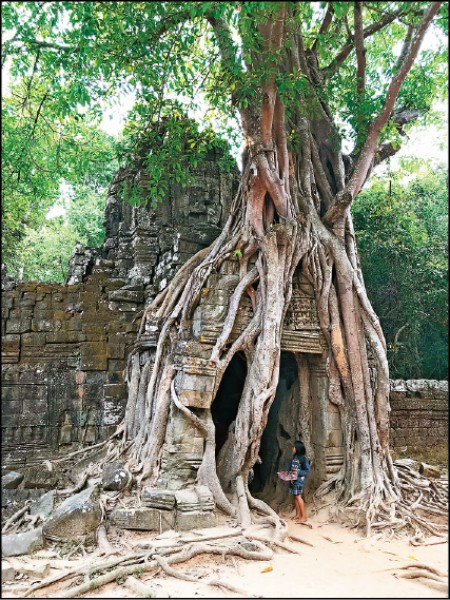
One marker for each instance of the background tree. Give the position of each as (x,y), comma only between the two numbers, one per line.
(43,252)
(402,232)
(298,77)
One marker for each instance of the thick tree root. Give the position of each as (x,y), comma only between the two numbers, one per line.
(96,575)
(420,509)
(427,575)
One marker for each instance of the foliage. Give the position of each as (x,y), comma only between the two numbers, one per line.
(402,237)
(43,253)
(170,150)
(69,59)
(42,150)
(163,51)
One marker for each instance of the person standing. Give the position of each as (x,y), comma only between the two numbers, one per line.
(300,465)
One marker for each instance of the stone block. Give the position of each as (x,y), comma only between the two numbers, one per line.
(144,519)
(11,480)
(115,390)
(112,412)
(10,393)
(33,339)
(44,505)
(7,300)
(64,337)
(9,376)
(93,356)
(11,343)
(8,572)
(10,414)
(157,498)
(195,520)
(22,325)
(116,476)
(75,323)
(35,570)
(17,544)
(77,518)
(115,350)
(38,477)
(125,296)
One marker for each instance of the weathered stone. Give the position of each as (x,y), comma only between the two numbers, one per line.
(116,476)
(77,518)
(123,295)
(39,477)
(8,572)
(17,544)
(12,480)
(429,470)
(145,519)
(158,498)
(37,570)
(195,520)
(44,505)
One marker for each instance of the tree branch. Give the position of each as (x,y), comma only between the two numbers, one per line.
(388,149)
(364,162)
(360,72)
(340,57)
(360,50)
(325,25)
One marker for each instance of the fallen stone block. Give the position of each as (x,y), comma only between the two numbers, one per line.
(44,505)
(38,477)
(429,470)
(17,544)
(35,571)
(76,519)
(12,480)
(8,572)
(116,476)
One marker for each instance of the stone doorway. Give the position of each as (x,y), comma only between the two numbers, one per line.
(282,429)
(226,403)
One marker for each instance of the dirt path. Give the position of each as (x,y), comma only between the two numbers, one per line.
(340,564)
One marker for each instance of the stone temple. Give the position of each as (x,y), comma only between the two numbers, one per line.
(65,350)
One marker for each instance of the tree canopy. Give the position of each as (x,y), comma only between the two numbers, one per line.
(74,57)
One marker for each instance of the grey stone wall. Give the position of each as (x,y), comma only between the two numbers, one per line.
(63,358)
(419,418)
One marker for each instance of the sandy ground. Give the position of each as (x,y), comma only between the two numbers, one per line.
(340,564)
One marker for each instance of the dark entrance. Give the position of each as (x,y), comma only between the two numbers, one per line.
(225,406)
(276,437)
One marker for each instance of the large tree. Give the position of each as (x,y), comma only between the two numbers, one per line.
(300,79)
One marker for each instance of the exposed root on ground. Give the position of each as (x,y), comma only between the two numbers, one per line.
(418,510)
(427,575)
(87,578)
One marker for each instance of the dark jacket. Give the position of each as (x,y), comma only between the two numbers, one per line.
(301,464)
